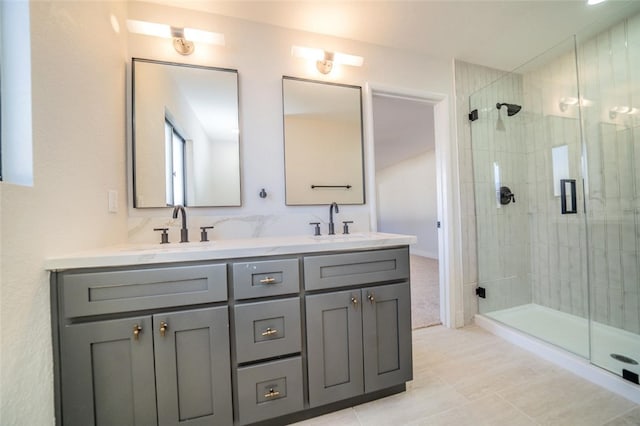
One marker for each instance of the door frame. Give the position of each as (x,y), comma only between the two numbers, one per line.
(448,200)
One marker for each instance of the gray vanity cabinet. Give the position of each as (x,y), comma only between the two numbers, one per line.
(386,336)
(268,339)
(224,342)
(193,367)
(334,346)
(132,353)
(110,376)
(359,341)
(358,316)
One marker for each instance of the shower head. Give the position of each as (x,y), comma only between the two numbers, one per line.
(512,109)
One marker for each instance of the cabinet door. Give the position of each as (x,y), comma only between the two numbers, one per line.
(193,367)
(386,328)
(334,346)
(107,373)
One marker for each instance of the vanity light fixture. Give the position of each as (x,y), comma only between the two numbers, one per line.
(183,38)
(325,59)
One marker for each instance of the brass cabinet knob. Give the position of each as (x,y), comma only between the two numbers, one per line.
(136,331)
(371,298)
(354,300)
(163,327)
(269,331)
(268,280)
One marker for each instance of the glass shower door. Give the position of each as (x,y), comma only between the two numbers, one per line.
(531,246)
(610,81)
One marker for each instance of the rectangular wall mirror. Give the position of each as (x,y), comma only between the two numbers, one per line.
(186,143)
(322,142)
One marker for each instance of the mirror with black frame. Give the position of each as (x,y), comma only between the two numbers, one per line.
(322,142)
(186,143)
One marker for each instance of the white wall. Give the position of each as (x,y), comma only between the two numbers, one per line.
(79,135)
(79,153)
(407,201)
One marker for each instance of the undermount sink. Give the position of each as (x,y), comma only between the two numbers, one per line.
(343,237)
(173,246)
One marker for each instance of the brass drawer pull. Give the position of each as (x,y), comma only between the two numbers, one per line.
(271,394)
(136,331)
(163,328)
(269,331)
(268,280)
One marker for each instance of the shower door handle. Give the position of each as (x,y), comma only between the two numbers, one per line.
(563,196)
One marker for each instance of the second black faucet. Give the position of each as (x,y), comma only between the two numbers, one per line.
(184,232)
(332,230)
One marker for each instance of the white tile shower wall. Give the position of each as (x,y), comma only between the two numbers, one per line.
(609,68)
(499,159)
(559,273)
(558,256)
(468,79)
(496,232)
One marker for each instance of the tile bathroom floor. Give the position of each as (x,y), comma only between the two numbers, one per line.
(471,377)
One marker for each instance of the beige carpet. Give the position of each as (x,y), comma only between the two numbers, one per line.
(425,292)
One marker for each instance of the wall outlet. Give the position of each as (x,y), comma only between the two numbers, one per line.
(113,201)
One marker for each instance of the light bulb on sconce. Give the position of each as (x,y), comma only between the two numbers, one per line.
(325,59)
(183,38)
(625,110)
(566,102)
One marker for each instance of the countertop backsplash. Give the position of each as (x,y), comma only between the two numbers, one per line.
(140,229)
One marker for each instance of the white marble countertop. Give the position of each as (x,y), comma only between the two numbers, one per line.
(223,249)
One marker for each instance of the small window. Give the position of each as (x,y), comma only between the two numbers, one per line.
(175,170)
(16,157)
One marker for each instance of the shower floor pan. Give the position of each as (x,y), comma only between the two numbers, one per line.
(571,333)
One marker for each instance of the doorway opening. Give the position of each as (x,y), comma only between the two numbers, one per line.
(406,195)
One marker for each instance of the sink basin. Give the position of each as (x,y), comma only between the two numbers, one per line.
(173,246)
(340,237)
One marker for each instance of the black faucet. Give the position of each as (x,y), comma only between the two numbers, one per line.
(184,232)
(331,225)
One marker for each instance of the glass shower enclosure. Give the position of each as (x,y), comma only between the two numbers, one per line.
(556,159)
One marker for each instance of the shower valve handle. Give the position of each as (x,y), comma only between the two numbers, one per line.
(506,196)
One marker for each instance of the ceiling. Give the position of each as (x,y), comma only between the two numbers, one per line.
(499,34)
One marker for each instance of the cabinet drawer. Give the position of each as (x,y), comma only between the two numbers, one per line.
(94,293)
(267,329)
(265,278)
(338,270)
(270,390)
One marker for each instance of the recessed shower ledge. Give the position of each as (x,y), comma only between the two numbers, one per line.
(573,363)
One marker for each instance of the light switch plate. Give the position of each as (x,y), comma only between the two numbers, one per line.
(113,201)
